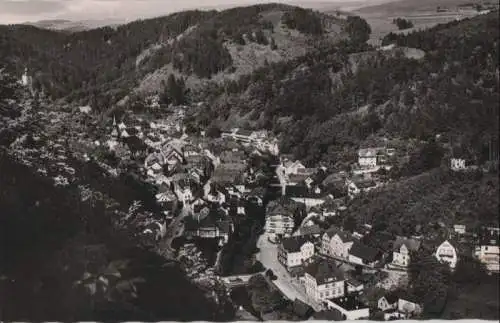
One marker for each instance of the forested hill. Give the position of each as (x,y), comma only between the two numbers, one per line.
(101,66)
(328,104)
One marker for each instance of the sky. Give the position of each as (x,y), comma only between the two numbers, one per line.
(18,11)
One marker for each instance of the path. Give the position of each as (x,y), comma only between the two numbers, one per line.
(174,230)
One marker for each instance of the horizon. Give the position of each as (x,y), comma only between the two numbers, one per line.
(116,11)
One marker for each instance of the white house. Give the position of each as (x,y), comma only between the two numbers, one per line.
(367,157)
(401,251)
(356,187)
(490,256)
(408,307)
(294,251)
(459,228)
(457,164)
(336,243)
(279,220)
(290,167)
(323,280)
(446,253)
(388,302)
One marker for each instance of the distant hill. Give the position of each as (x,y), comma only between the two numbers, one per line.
(72,26)
(101,66)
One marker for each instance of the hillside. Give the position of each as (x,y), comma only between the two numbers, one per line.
(452,91)
(101,66)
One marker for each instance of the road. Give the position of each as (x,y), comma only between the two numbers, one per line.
(289,286)
(174,230)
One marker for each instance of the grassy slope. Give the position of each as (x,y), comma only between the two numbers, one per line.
(246,58)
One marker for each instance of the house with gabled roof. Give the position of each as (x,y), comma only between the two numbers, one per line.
(363,255)
(323,280)
(209,223)
(294,252)
(292,167)
(280,216)
(358,186)
(402,248)
(336,243)
(165,197)
(388,302)
(446,253)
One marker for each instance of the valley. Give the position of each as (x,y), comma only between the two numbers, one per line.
(263,162)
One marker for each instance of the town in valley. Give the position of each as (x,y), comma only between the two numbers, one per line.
(258,230)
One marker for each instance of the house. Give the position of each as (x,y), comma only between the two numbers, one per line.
(367,157)
(279,218)
(447,253)
(358,186)
(388,302)
(310,197)
(165,197)
(363,255)
(487,250)
(216,195)
(350,306)
(173,158)
(243,135)
(408,306)
(323,280)
(294,252)
(184,190)
(232,157)
(154,158)
(336,243)
(329,315)
(354,286)
(459,228)
(198,204)
(256,195)
(232,173)
(209,223)
(401,251)
(290,167)
(310,230)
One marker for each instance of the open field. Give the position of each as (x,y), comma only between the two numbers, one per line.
(423,13)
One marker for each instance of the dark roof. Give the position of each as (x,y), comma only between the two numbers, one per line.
(391,298)
(344,236)
(350,302)
(293,244)
(244,132)
(361,184)
(324,271)
(301,191)
(135,144)
(354,282)
(334,178)
(411,244)
(364,252)
(329,315)
(311,229)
